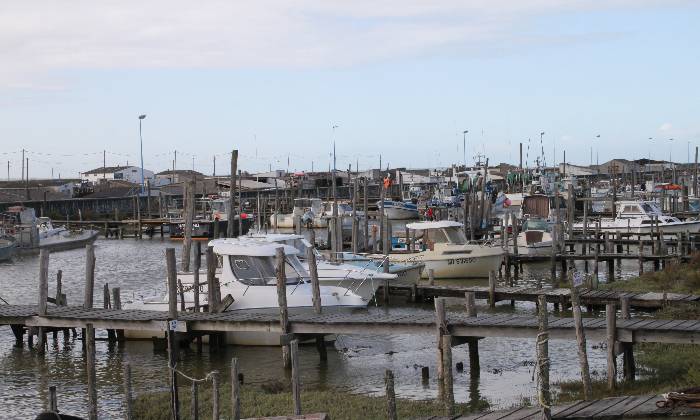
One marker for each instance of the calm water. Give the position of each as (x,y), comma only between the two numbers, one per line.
(356,364)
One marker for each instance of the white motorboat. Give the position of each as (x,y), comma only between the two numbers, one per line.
(308,210)
(363,281)
(400,210)
(535,237)
(640,217)
(247,274)
(60,238)
(445,250)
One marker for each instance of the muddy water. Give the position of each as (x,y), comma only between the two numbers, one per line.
(356,365)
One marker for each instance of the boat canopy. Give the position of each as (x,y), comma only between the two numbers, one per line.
(249,248)
(433,225)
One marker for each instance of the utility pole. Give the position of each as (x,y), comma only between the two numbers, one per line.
(104,164)
(214,173)
(22,164)
(175,161)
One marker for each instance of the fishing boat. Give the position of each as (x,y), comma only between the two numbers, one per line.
(210,211)
(400,210)
(308,210)
(8,245)
(60,238)
(640,217)
(363,280)
(444,249)
(247,275)
(535,237)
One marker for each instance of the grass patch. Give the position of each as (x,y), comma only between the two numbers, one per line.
(661,367)
(675,278)
(275,399)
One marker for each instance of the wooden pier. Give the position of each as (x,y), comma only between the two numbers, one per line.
(371,321)
(592,297)
(642,406)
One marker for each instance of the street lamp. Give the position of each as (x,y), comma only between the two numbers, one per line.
(141,117)
(464,147)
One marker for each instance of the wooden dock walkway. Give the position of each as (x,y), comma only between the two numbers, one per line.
(593,297)
(370,321)
(643,406)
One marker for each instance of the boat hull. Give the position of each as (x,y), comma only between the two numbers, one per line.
(666,228)
(64,243)
(396,213)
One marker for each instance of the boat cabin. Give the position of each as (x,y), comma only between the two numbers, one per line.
(253,263)
(442,232)
(645,210)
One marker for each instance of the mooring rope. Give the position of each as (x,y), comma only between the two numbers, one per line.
(206,378)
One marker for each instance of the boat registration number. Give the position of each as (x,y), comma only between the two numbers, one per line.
(453,261)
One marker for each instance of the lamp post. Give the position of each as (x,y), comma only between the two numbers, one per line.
(141,117)
(464,147)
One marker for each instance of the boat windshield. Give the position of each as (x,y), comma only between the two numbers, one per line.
(455,236)
(219,206)
(345,207)
(535,224)
(260,271)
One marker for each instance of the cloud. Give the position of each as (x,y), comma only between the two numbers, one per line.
(40,37)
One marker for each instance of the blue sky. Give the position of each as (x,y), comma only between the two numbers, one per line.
(400,79)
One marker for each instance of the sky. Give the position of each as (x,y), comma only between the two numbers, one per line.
(401,80)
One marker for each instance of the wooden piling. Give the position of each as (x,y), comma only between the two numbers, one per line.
(365,208)
(211,280)
(282,302)
(235,391)
(470,303)
(91,374)
(43,295)
(448,387)
(390,395)
(543,359)
(194,403)
(53,401)
(581,343)
(355,221)
(313,272)
(128,401)
(628,365)
(492,289)
(296,377)
(197,267)
(189,221)
(610,334)
(441,329)
(89,276)
(215,395)
(431,276)
(172,345)
(232,195)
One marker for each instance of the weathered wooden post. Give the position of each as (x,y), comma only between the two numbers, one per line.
(172,318)
(581,343)
(365,208)
(232,195)
(296,377)
(441,329)
(448,388)
(89,276)
(212,291)
(640,258)
(235,391)
(91,374)
(128,401)
(215,395)
(355,222)
(492,289)
(53,400)
(472,342)
(390,395)
(431,276)
(313,272)
(282,303)
(543,358)
(381,217)
(197,267)
(610,328)
(189,221)
(43,295)
(194,403)
(628,365)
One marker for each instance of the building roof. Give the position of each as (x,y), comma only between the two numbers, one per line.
(106,170)
(180,172)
